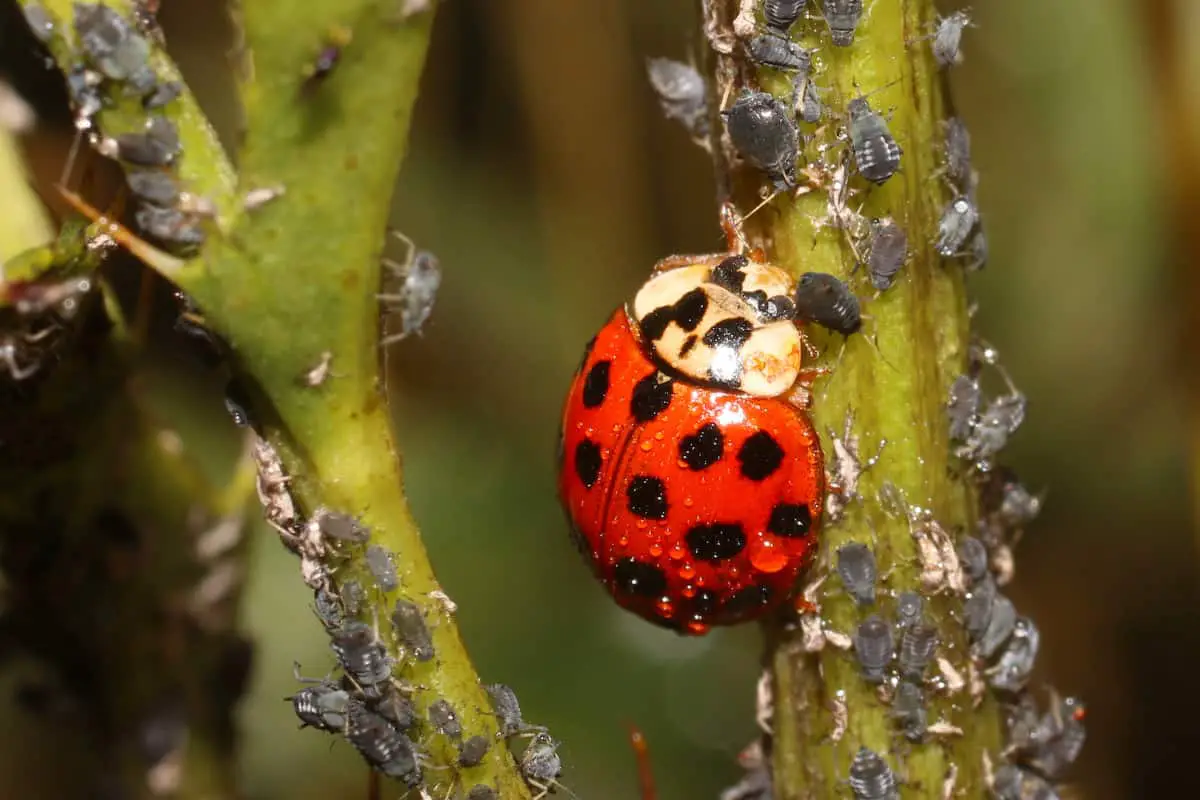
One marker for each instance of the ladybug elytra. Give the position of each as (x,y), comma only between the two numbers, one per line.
(692,478)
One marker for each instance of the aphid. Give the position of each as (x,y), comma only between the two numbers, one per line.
(420,275)
(1056,741)
(958,150)
(328,609)
(764,702)
(444,719)
(940,569)
(153,186)
(958,219)
(972,554)
(382,746)
(876,152)
(989,435)
(169,225)
(397,709)
(321,67)
(322,706)
(1004,496)
(39,20)
(781,14)
(382,564)
(810,108)
(472,752)
(918,644)
(871,778)
(858,571)
(842,17)
(83,89)
(481,791)
(409,624)
(827,301)
(779,52)
(114,46)
(756,784)
(318,373)
(909,607)
(162,94)
(887,254)
(1001,624)
(540,763)
(873,646)
(157,145)
(508,711)
(840,711)
(362,656)
(682,94)
(1011,672)
(908,711)
(353,597)
(339,526)
(1013,783)
(848,468)
(948,38)
(764,133)
(963,407)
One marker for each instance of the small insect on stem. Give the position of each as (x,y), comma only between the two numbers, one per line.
(641,751)
(316,72)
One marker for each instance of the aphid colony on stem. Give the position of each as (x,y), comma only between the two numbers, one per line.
(640,436)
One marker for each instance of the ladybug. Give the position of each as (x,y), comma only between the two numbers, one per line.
(692,477)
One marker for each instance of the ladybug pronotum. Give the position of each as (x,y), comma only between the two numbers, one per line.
(691,475)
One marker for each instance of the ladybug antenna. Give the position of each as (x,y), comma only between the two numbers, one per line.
(641,751)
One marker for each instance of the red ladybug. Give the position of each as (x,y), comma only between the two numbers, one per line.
(692,486)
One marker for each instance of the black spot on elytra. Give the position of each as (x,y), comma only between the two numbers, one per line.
(651,396)
(706,602)
(686,312)
(760,456)
(745,603)
(703,448)
(647,496)
(688,344)
(654,324)
(690,308)
(639,578)
(587,462)
(729,333)
(790,519)
(728,274)
(715,542)
(595,385)
(758,299)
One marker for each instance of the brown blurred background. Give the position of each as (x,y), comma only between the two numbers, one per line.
(544,177)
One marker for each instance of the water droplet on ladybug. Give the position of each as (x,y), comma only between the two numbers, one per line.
(647,446)
(688,501)
(689,591)
(697,628)
(677,552)
(687,572)
(664,606)
(656,550)
(658,435)
(767,557)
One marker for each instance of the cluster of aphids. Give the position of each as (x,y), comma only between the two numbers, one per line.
(373,710)
(112,57)
(768,133)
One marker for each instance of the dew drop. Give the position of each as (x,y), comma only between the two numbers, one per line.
(658,435)
(689,591)
(677,552)
(688,501)
(697,628)
(687,572)
(768,557)
(647,446)
(656,549)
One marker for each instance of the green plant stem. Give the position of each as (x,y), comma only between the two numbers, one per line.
(894,379)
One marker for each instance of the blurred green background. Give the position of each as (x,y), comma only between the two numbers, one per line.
(543,176)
